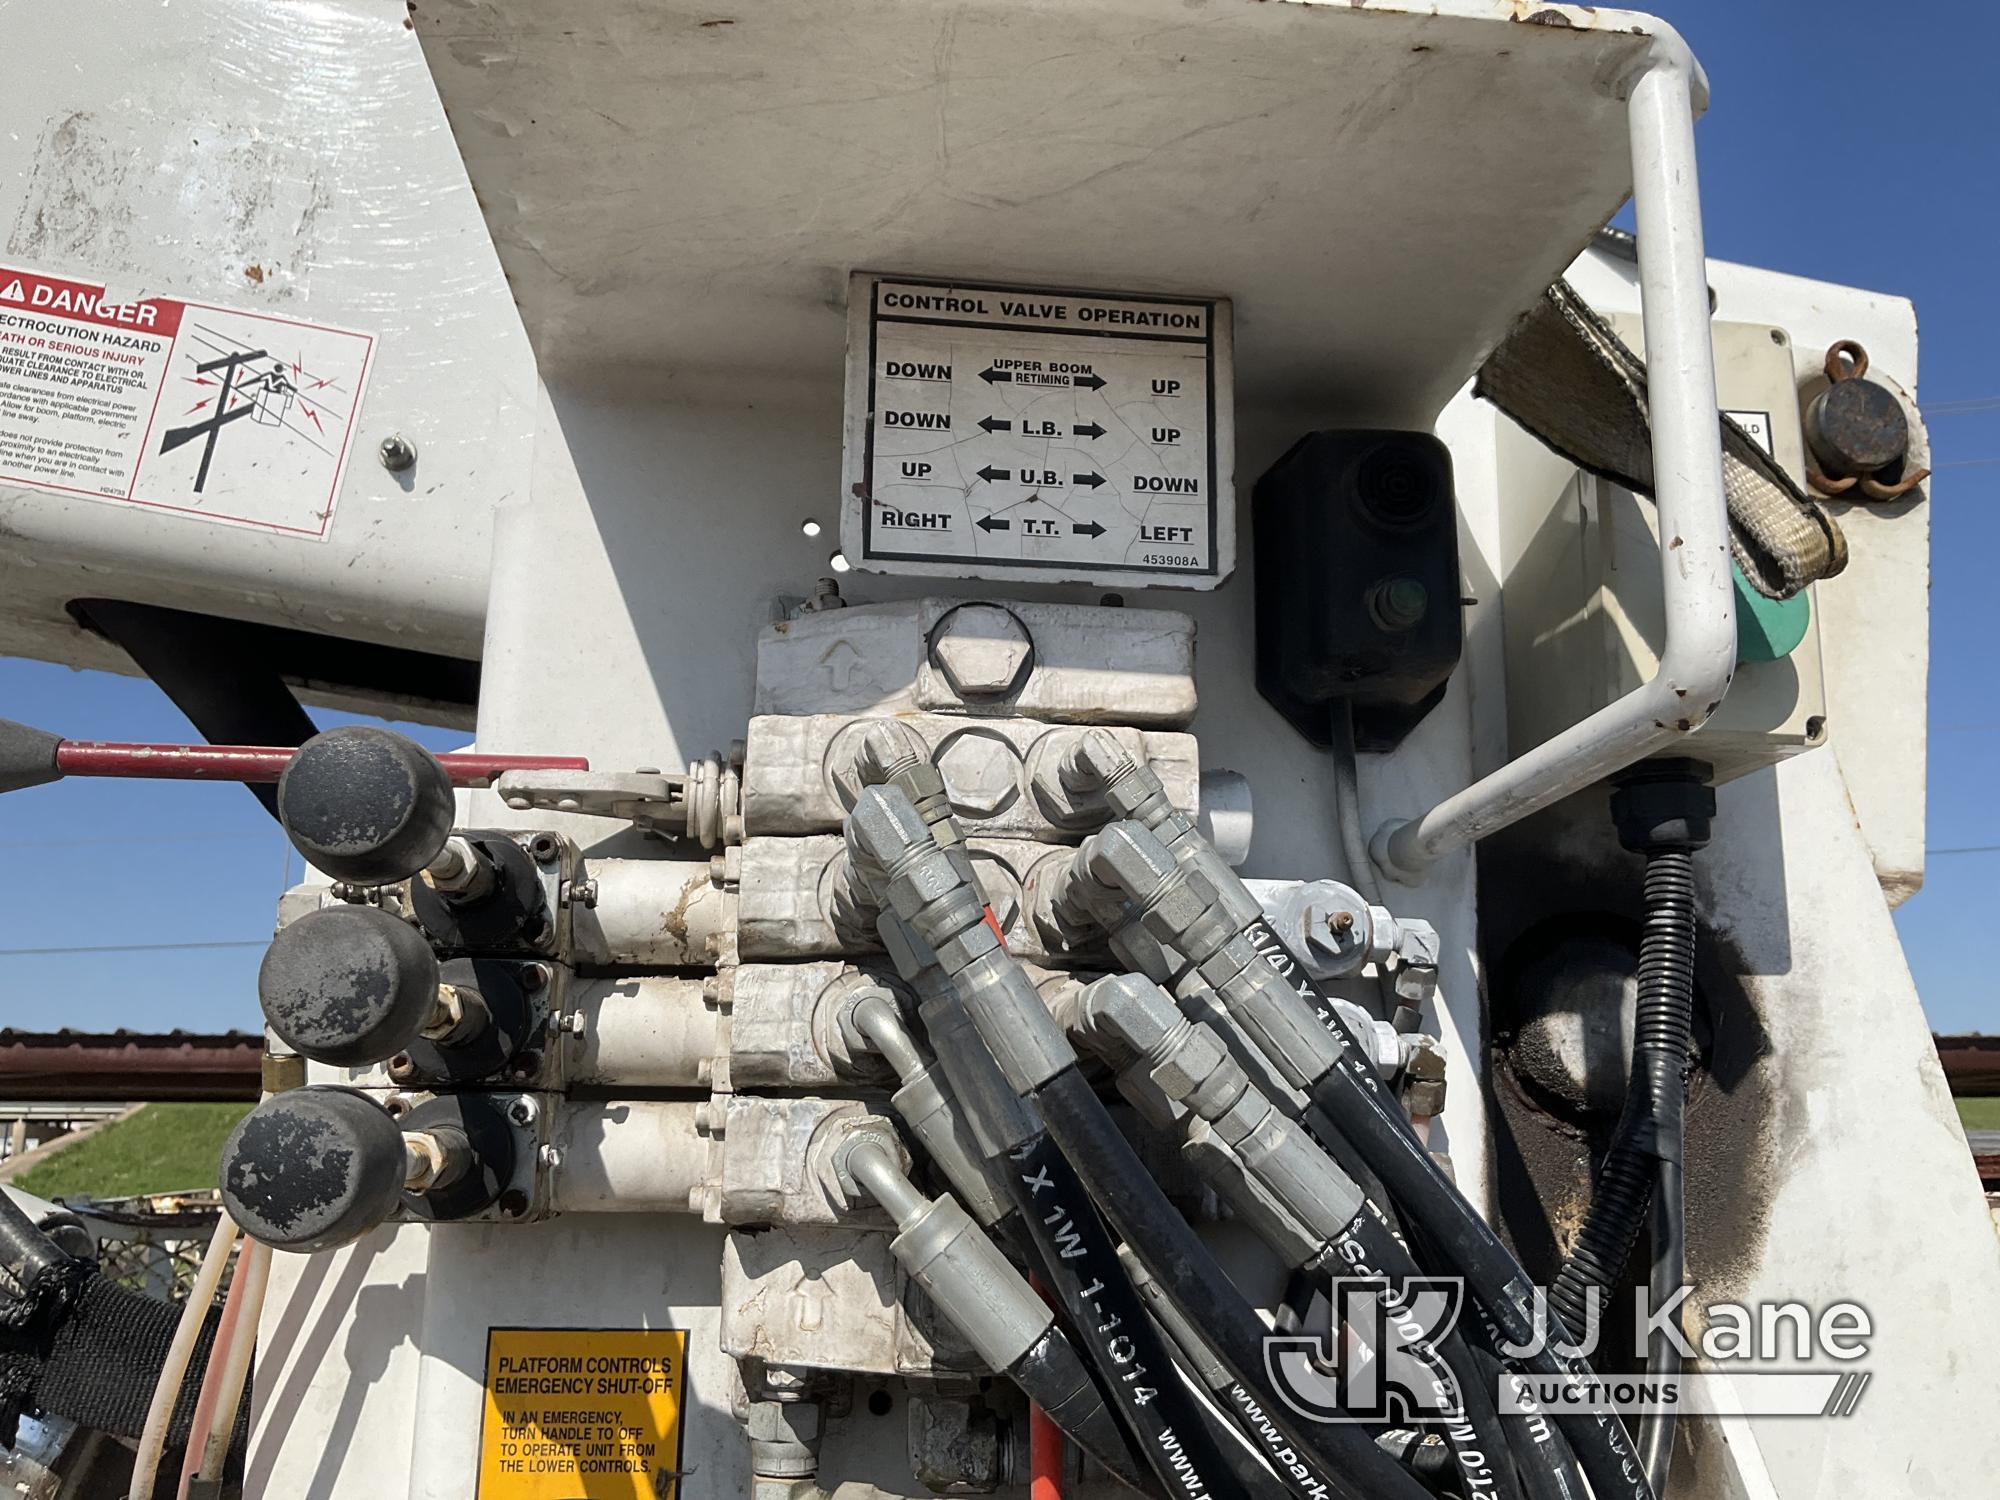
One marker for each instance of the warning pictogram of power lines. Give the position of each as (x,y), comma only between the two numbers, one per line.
(221,413)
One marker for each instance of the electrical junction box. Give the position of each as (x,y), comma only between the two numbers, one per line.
(1002,432)
(1584,622)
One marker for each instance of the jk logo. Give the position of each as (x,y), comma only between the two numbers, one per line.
(1379,1362)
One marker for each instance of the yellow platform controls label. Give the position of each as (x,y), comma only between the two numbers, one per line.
(582,1414)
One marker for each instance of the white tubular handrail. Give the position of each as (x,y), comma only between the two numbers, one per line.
(1700,651)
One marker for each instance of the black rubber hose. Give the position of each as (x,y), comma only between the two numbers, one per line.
(1053,1376)
(1542,1457)
(1663,1355)
(1079,1262)
(1544,1461)
(1479,1447)
(1650,1127)
(1014,1132)
(1642,1170)
(1175,1256)
(1439,1213)
(1370,1131)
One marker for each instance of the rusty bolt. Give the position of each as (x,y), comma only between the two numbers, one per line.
(402,1067)
(545,847)
(982,650)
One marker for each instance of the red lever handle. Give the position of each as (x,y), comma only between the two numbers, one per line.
(264,763)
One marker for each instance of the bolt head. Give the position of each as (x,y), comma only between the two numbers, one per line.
(982,772)
(982,651)
(398,453)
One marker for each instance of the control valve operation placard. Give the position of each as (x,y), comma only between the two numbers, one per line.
(1013,433)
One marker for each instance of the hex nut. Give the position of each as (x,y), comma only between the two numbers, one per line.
(859,753)
(885,825)
(982,650)
(982,772)
(1132,859)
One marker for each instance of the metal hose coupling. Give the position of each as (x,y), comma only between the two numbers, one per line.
(1097,763)
(1180,905)
(889,759)
(1135,794)
(886,758)
(950,1257)
(1238,1139)
(929,1109)
(941,901)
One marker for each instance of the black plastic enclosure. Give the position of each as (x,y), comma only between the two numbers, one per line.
(1355,537)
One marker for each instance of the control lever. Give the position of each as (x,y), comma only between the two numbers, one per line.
(32,757)
(316,1168)
(352,985)
(366,805)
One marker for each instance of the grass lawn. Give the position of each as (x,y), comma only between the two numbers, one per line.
(163,1148)
(1979,1114)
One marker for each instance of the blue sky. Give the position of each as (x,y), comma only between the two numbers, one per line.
(1816,107)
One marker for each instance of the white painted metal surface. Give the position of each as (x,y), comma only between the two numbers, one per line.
(678,204)
(1364,187)
(1584,617)
(292,161)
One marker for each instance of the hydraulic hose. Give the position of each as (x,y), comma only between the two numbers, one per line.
(1294,1022)
(1650,1127)
(1226,1390)
(1176,1257)
(974,1286)
(935,898)
(1273,1174)
(1170,1432)
(1663,810)
(1478,1444)
(1545,1463)
(1467,1244)
(1080,1261)
(166,1394)
(1663,1355)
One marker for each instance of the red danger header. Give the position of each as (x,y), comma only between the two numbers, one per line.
(24,291)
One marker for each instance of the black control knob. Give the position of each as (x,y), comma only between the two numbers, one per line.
(349,985)
(313,1168)
(366,805)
